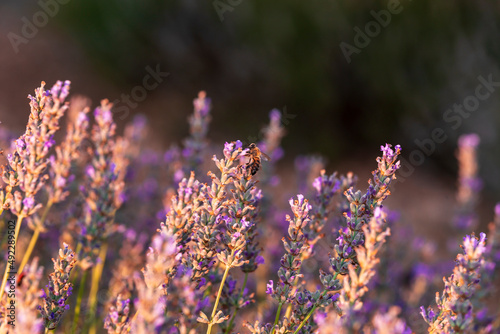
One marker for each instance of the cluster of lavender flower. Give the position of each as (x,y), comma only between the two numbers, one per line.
(178,243)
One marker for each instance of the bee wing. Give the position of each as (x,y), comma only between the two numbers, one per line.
(265,156)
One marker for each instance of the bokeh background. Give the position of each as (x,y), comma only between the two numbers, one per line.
(252,56)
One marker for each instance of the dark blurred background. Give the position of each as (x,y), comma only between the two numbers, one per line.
(252,56)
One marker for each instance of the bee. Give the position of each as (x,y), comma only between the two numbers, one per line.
(255,155)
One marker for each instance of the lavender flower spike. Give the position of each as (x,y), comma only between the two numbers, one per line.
(494,243)
(27,300)
(24,174)
(363,206)
(150,309)
(103,189)
(356,283)
(469,184)
(59,289)
(455,313)
(195,144)
(117,321)
(284,291)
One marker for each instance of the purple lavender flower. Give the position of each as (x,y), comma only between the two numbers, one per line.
(455,304)
(117,321)
(59,289)
(363,206)
(270,287)
(104,184)
(326,188)
(195,144)
(469,140)
(469,183)
(356,282)
(66,154)
(24,174)
(151,308)
(28,202)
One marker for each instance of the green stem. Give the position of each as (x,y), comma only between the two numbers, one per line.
(277,318)
(79,301)
(34,237)
(310,313)
(31,246)
(305,319)
(96,277)
(214,311)
(237,307)
(289,307)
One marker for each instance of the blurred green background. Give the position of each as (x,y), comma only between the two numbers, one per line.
(252,56)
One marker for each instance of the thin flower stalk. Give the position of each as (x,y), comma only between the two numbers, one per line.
(239,302)
(96,277)
(79,300)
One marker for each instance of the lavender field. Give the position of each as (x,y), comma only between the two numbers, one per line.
(231,166)
(198,238)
